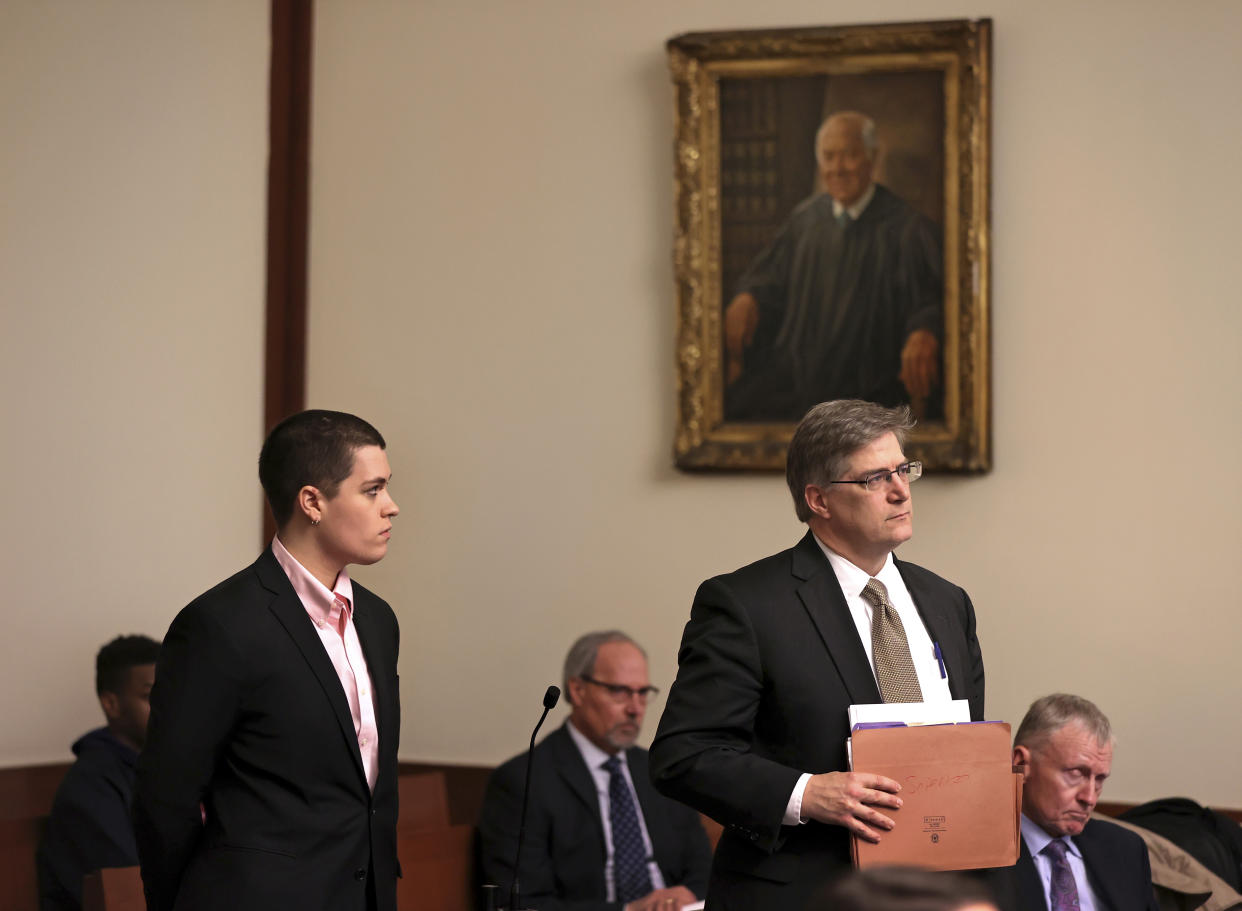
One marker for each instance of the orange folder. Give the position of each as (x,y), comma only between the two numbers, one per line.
(961,799)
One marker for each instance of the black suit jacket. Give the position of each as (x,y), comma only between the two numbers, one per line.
(564,854)
(769,664)
(1117,866)
(249,718)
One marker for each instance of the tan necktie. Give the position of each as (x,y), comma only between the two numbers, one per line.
(894,669)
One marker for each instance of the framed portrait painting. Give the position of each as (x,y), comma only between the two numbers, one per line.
(832,235)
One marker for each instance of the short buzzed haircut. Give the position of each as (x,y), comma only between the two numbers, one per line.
(580,660)
(114,660)
(312,448)
(829,434)
(1049,714)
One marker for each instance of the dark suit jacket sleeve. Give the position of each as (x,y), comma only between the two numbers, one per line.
(703,754)
(973,691)
(193,707)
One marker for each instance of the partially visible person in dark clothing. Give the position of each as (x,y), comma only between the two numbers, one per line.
(89,827)
(903,889)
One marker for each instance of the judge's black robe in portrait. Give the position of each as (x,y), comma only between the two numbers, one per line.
(836,305)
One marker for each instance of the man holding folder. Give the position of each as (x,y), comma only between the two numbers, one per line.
(775,653)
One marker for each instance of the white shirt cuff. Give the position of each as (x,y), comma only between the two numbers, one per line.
(793,810)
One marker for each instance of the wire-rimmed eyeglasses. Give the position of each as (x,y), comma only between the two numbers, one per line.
(907,471)
(621,693)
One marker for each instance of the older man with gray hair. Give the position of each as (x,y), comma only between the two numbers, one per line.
(775,653)
(846,300)
(1064,749)
(598,836)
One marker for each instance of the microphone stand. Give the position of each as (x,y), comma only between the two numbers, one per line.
(550,699)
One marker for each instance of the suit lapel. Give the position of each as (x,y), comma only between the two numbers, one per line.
(292,616)
(376,654)
(940,628)
(572,768)
(1030,889)
(821,595)
(650,802)
(1101,865)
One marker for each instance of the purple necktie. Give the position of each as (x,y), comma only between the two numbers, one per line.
(1064,891)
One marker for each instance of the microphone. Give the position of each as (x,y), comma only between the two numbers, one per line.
(550,699)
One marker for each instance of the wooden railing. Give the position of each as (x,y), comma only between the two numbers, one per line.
(439,804)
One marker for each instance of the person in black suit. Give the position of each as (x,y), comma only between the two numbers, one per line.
(774,654)
(1064,748)
(570,859)
(269,775)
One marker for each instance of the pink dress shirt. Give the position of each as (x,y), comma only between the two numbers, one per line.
(333,615)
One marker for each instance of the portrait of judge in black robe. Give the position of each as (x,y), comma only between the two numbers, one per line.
(846,301)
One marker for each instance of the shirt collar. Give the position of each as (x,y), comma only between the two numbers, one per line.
(852,579)
(1037,839)
(856,210)
(320,602)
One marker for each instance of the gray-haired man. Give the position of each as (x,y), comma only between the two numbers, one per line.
(1064,748)
(598,836)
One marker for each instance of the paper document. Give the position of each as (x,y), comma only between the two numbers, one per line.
(945,712)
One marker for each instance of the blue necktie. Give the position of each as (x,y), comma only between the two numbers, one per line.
(629,854)
(1064,891)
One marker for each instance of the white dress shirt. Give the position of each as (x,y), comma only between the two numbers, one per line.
(857,208)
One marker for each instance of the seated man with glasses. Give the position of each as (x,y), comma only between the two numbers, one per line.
(774,654)
(598,836)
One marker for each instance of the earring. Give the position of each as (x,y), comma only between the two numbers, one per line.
(314,521)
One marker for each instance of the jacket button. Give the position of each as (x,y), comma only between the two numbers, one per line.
(360,874)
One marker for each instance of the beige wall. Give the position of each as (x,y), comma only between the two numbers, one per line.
(491,284)
(132,195)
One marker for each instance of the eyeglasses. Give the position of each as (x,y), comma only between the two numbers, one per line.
(621,693)
(907,471)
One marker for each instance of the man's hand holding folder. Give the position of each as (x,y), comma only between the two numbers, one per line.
(851,799)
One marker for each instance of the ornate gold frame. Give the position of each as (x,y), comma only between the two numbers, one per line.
(961,49)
